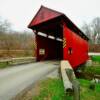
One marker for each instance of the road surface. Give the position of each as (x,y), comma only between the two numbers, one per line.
(13,80)
(93,54)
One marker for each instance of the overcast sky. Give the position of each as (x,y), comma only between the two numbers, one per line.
(20,12)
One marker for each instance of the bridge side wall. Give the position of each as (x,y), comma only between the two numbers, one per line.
(76,49)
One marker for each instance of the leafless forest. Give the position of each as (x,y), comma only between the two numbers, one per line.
(15,44)
(92,30)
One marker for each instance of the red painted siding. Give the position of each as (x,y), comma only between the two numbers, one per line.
(43,15)
(79,48)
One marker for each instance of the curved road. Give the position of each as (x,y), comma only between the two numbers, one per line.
(13,80)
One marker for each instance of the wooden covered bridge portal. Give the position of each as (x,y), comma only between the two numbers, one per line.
(58,38)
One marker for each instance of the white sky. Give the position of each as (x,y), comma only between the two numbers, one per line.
(21,12)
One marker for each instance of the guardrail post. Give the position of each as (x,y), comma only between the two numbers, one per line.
(92,84)
(76,90)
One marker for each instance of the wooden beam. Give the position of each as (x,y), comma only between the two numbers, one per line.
(71,85)
(66,81)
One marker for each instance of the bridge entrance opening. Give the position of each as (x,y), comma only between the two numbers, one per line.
(49,40)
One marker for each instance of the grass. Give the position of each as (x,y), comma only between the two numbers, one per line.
(95,58)
(3,65)
(93,69)
(52,89)
(88,94)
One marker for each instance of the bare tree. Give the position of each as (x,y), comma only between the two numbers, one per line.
(11,40)
(88,32)
(92,30)
(95,26)
(5,26)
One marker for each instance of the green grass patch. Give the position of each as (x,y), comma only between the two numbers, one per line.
(52,89)
(88,94)
(93,69)
(3,65)
(95,58)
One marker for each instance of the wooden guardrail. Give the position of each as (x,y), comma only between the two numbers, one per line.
(14,61)
(71,85)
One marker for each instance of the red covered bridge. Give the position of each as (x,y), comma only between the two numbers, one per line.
(58,38)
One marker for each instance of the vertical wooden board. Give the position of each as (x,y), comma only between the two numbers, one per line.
(79,48)
(68,38)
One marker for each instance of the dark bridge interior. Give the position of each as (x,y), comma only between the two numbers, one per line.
(51,40)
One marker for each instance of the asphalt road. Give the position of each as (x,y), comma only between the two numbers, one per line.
(93,54)
(13,80)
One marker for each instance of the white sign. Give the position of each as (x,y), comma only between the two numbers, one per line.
(41,51)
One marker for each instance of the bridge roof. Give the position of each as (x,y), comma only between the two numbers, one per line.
(53,19)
